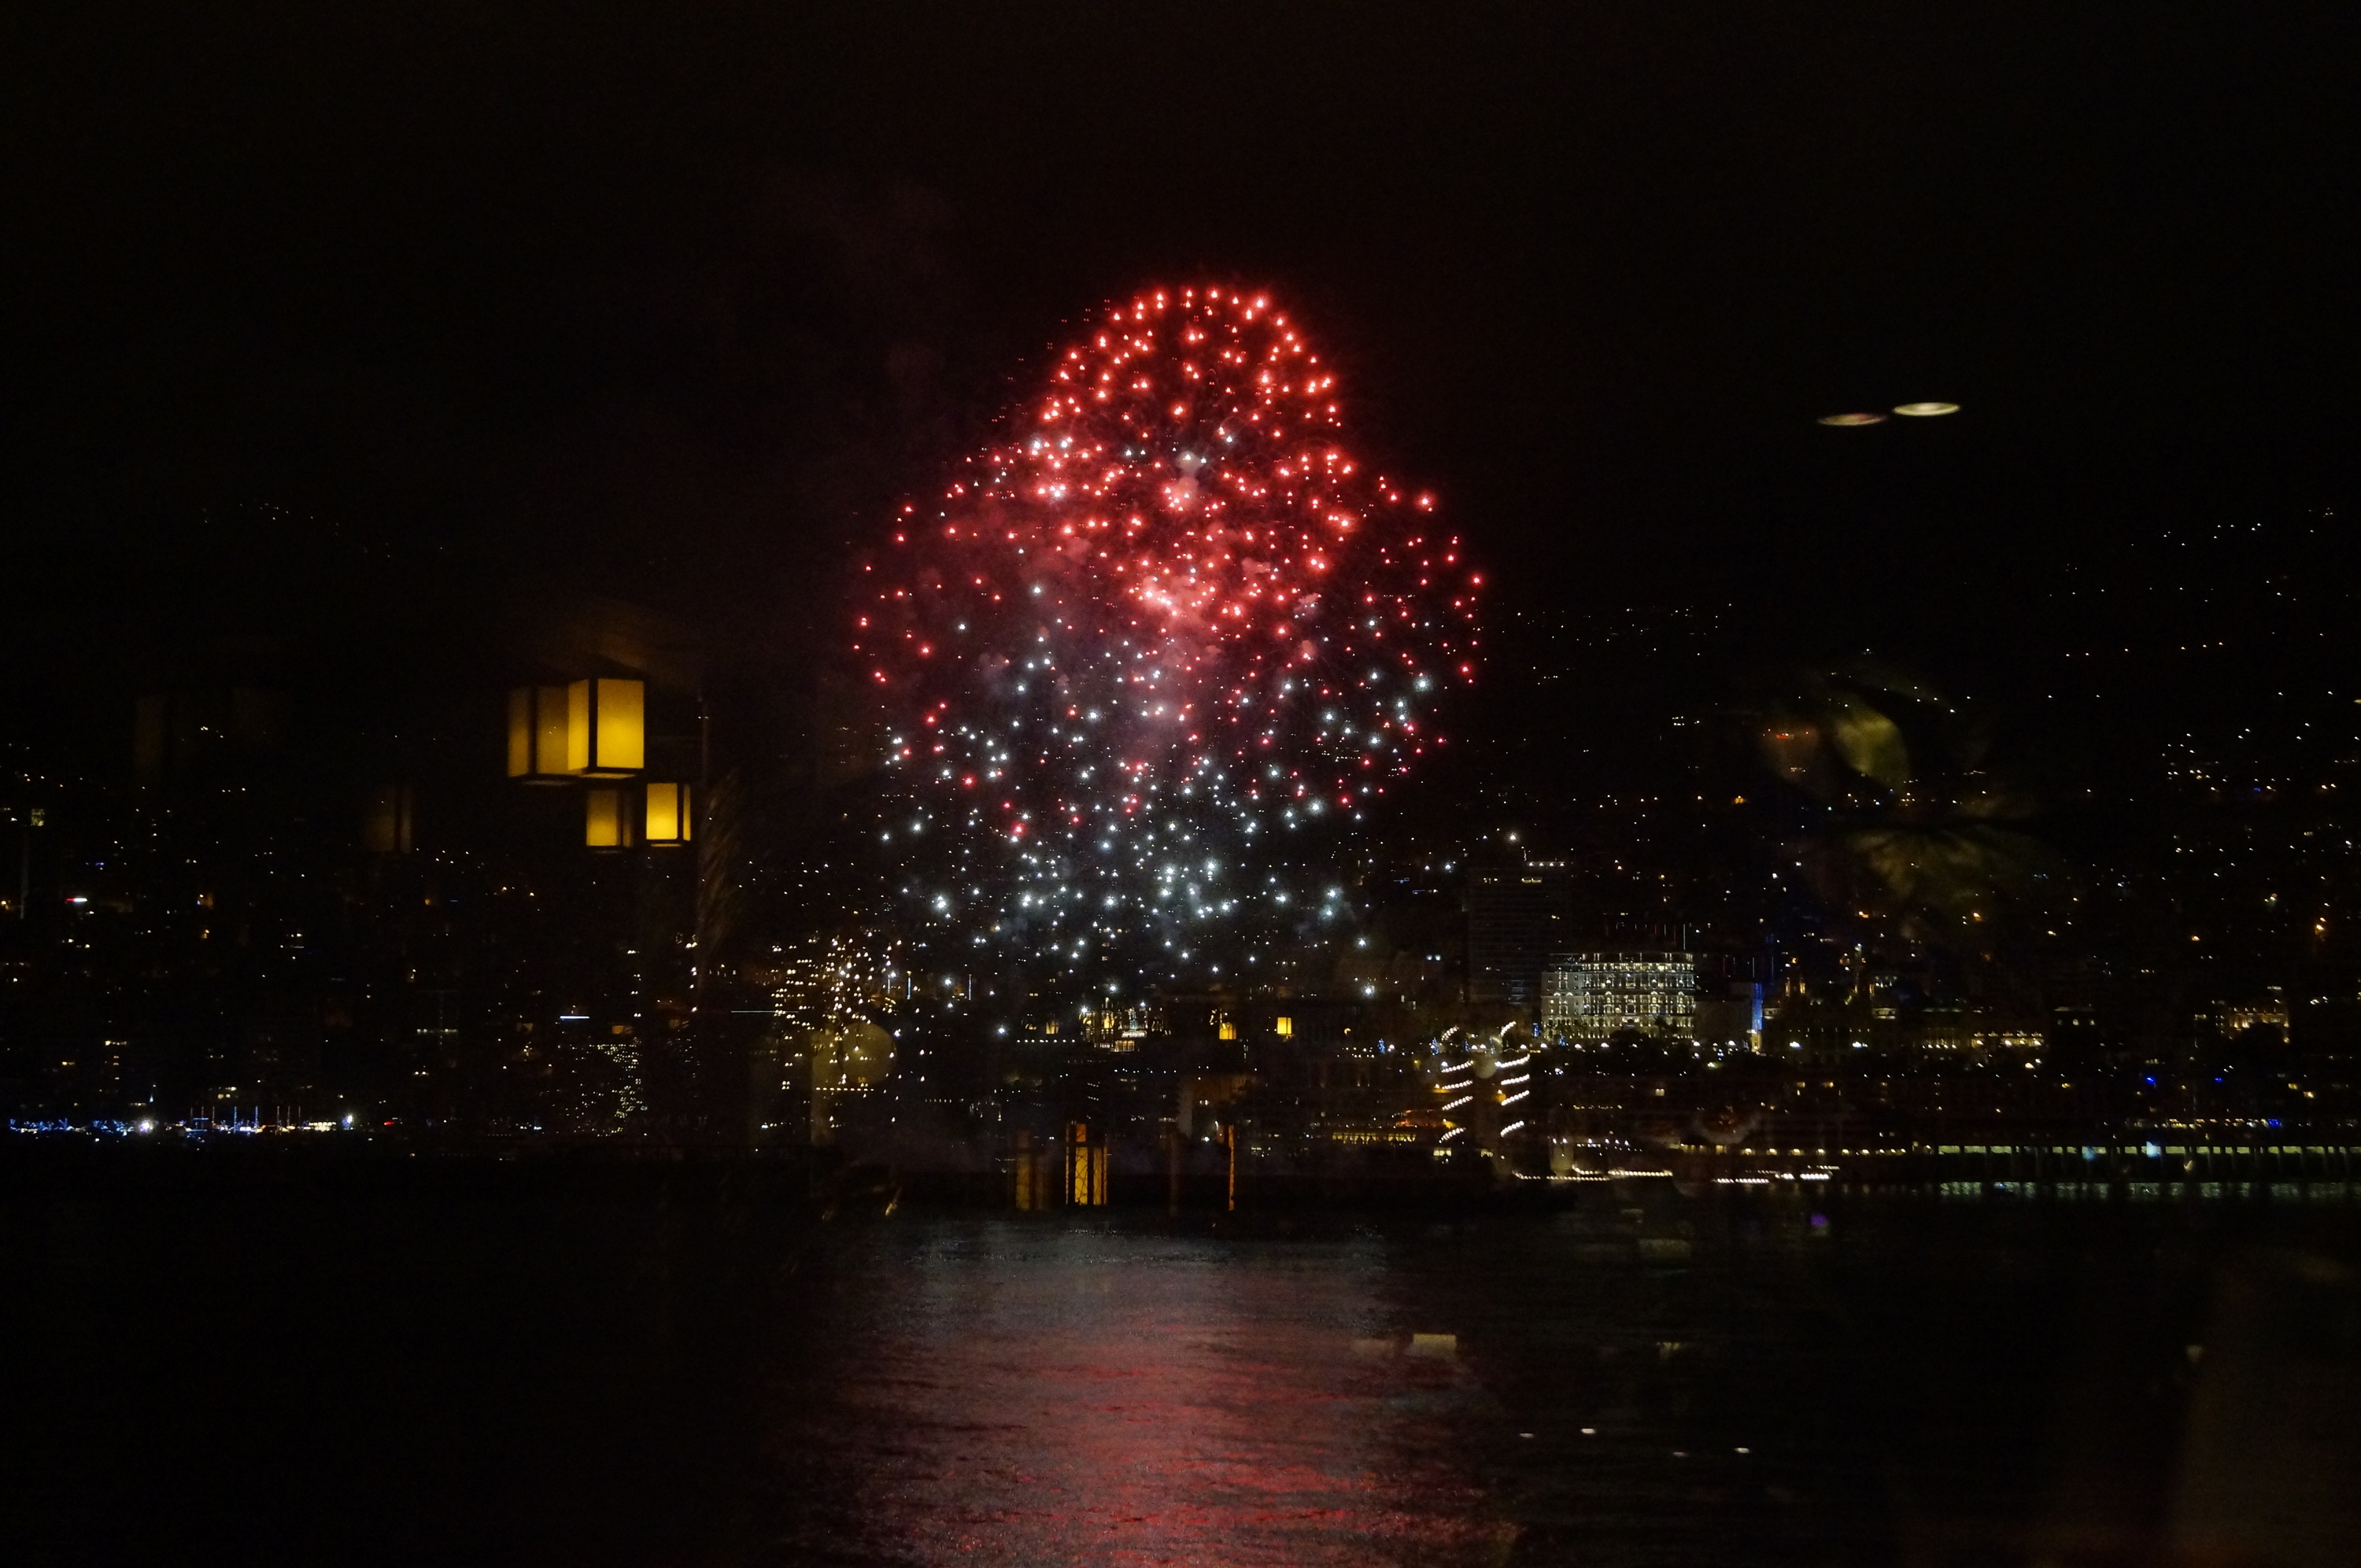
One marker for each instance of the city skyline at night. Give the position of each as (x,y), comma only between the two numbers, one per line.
(1449,788)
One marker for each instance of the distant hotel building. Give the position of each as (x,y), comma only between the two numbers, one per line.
(1591,996)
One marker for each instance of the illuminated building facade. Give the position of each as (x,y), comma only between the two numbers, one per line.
(1591,996)
(820,981)
(826,993)
(1121,1028)
(849,1065)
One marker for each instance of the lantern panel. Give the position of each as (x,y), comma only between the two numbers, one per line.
(623,738)
(605,824)
(606,728)
(520,733)
(668,814)
(578,699)
(550,730)
(386,821)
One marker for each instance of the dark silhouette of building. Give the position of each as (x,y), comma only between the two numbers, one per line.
(1517,916)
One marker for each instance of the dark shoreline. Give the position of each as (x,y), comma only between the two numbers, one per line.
(2289,1171)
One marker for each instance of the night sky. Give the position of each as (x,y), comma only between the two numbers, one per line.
(677,303)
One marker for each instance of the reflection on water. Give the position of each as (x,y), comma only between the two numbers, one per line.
(1006,1392)
(1676,1382)
(684,1377)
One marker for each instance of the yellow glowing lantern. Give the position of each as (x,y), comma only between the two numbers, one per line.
(1924,410)
(387,821)
(607,819)
(550,733)
(520,732)
(1086,1166)
(606,728)
(668,820)
(1284,1026)
(539,725)
(1847,421)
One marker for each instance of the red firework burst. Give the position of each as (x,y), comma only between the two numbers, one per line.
(1171,594)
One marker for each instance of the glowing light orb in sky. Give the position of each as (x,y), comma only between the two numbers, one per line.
(1169,613)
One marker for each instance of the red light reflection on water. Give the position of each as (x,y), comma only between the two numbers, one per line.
(1043,1393)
